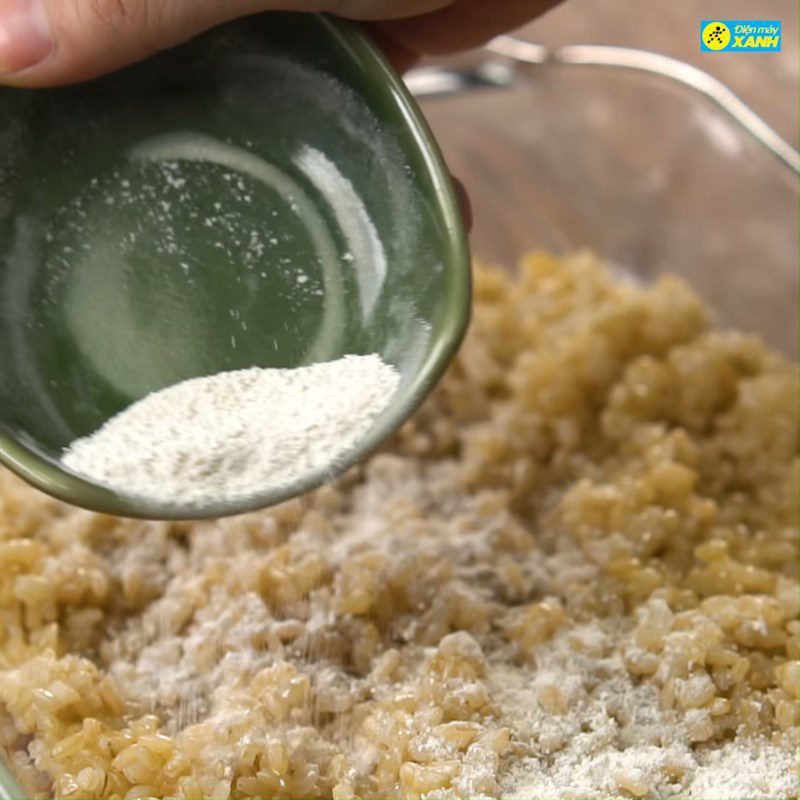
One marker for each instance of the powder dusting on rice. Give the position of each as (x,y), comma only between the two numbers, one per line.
(574,572)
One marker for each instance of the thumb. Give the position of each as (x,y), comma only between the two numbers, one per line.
(49,42)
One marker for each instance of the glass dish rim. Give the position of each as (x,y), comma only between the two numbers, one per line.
(506,56)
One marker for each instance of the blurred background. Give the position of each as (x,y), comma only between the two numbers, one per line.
(649,173)
(768,82)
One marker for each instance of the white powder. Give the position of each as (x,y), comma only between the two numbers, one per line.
(613,739)
(236,433)
(191,654)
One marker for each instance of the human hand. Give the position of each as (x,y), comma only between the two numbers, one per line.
(50,42)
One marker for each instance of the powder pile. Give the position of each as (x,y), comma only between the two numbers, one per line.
(586,728)
(234,434)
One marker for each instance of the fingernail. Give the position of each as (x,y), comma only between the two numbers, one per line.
(25,38)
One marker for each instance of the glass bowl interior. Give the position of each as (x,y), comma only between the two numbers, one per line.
(642,168)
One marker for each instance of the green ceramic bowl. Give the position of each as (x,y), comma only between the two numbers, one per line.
(266,195)
(8,784)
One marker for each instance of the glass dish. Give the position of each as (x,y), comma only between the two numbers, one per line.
(648,161)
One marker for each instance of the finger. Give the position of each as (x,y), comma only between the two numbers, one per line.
(400,57)
(48,42)
(379,9)
(462,24)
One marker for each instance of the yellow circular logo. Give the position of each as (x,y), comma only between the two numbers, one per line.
(716,36)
